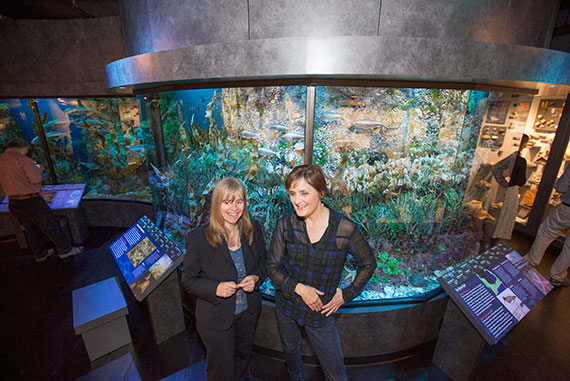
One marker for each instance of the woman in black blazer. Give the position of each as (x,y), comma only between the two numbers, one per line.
(224,267)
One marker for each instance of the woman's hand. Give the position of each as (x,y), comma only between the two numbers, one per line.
(310,296)
(248,283)
(226,289)
(335,303)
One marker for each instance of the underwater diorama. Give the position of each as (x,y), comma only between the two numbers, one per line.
(398,162)
(97,141)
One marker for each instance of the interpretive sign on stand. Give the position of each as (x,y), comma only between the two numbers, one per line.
(146,256)
(495,290)
(63,196)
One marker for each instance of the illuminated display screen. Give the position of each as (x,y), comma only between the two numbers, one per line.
(145,257)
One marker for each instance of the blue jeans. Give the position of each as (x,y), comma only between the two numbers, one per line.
(325,342)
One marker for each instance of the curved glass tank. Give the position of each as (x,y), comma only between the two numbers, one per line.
(411,166)
(398,162)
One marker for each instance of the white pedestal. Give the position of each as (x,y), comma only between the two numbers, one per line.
(99,312)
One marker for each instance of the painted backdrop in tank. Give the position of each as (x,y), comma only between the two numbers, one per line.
(398,162)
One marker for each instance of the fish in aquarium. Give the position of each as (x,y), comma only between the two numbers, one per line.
(330,117)
(291,137)
(279,128)
(53,135)
(366,126)
(83,122)
(248,134)
(266,152)
(79,110)
(57,123)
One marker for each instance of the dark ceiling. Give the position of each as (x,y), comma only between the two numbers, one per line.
(58,9)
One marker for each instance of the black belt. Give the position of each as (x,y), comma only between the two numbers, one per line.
(565,203)
(23,196)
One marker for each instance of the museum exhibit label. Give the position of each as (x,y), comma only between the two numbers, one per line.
(495,290)
(145,256)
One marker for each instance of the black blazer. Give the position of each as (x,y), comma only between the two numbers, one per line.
(205,267)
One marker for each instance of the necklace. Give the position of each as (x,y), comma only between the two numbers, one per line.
(233,238)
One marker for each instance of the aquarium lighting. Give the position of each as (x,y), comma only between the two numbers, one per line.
(552,85)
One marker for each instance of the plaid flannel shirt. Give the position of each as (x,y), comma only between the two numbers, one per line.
(294,259)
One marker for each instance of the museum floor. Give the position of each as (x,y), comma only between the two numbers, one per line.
(38,341)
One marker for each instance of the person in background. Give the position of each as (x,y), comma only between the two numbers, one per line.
(224,267)
(307,257)
(21,181)
(557,221)
(516,167)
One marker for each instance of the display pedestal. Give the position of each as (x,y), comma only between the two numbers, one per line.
(76,223)
(165,309)
(99,316)
(459,345)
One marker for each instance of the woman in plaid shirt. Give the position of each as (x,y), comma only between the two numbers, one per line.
(308,254)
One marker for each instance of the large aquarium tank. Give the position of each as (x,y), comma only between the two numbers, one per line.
(398,162)
(96,141)
(409,165)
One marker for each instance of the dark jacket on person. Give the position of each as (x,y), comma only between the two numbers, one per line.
(206,266)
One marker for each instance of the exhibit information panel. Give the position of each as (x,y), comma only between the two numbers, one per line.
(146,256)
(495,290)
(63,196)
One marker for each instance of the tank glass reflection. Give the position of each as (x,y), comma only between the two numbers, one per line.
(255,134)
(398,162)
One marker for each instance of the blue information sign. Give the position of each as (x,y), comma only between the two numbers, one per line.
(145,256)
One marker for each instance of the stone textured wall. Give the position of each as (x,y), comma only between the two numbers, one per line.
(57,57)
(155,25)
(493,42)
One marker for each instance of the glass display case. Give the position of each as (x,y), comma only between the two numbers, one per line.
(97,141)
(411,166)
(398,162)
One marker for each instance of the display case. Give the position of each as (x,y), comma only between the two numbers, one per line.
(97,141)
(398,162)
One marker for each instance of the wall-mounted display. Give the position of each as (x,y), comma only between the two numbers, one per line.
(492,136)
(548,115)
(497,112)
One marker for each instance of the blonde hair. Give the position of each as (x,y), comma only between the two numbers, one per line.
(228,188)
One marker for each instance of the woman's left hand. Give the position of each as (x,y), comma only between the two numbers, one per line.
(248,283)
(335,303)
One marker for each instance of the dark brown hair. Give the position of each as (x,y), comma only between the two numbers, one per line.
(312,174)
(18,143)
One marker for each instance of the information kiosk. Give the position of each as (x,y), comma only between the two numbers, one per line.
(147,259)
(488,296)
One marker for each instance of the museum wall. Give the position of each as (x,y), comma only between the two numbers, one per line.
(492,43)
(57,57)
(152,25)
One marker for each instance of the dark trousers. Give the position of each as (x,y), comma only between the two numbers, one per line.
(228,352)
(325,342)
(40,224)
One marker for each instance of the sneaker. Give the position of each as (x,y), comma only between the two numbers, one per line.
(49,253)
(74,251)
(564,282)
